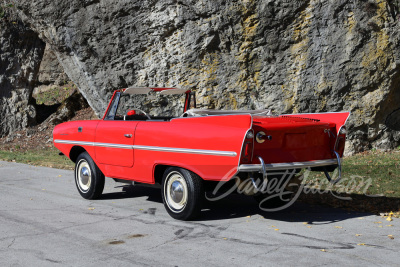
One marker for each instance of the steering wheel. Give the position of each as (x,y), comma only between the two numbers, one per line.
(144,113)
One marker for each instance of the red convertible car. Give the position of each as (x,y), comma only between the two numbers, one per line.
(143,138)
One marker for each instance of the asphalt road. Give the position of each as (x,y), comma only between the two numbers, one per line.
(44,221)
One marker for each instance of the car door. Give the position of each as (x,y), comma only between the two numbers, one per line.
(114,142)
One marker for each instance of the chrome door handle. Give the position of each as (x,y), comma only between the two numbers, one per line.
(128,135)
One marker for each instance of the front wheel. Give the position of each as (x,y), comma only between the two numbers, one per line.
(182,193)
(88,178)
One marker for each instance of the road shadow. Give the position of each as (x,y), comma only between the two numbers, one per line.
(354,202)
(235,205)
(310,208)
(152,193)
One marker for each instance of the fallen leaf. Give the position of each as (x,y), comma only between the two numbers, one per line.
(248,216)
(362,218)
(305,222)
(276,229)
(361,244)
(390,225)
(389,219)
(273,226)
(59,175)
(391,236)
(358,235)
(323,250)
(308,226)
(225,238)
(380,226)
(338,227)
(91,208)
(377,222)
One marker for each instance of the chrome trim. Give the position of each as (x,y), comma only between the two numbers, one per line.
(285,166)
(338,135)
(71,142)
(187,150)
(113,145)
(339,170)
(178,118)
(152,148)
(244,138)
(259,137)
(264,169)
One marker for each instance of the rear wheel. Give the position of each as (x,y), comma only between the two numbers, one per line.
(182,193)
(88,178)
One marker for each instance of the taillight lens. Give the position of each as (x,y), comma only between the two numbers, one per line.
(340,141)
(247,149)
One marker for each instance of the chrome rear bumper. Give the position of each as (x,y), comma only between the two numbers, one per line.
(264,168)
(286,166)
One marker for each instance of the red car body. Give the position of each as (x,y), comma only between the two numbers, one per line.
(214,145)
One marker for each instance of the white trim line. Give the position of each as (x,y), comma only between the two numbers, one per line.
(71,142)
(187,150)
(152,148)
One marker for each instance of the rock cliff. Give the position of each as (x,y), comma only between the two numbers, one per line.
(288,55)
(20,55)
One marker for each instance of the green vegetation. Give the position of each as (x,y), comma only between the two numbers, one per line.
(372,173)
(47,157)
(55,94)
(3,9)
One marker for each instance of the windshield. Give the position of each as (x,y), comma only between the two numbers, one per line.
(153,104)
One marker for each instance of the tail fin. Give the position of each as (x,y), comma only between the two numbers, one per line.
(338,118)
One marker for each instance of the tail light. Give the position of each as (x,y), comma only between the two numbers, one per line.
(247,149)
(340,141)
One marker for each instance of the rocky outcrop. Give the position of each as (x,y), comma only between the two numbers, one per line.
(20,55)
(51,74)
(290,56)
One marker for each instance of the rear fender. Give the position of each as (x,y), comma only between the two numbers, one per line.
(338,118)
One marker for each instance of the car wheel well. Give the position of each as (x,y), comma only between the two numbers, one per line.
(75,152)
(159,172)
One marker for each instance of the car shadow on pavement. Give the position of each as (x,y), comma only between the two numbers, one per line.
(152,192)
(241,206)
(236,205)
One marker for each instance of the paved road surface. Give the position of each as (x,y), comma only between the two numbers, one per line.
(44,221)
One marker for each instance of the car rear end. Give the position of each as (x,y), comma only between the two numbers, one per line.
(289,142)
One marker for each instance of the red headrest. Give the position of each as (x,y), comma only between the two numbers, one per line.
(131,112)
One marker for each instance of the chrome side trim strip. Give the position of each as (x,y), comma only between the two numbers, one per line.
(152,148)
(285,166)
(113,145)
(70,142)
(187,150)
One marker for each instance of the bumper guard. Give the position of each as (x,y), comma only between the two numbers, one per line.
(264,168)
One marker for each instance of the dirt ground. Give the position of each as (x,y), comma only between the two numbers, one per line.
(39,136)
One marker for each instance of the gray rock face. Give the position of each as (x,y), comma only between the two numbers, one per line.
(290,56)
(50,71)
(51,75)
(20,54)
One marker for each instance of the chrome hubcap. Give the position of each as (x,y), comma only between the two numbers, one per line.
(176,192)
(84,176)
